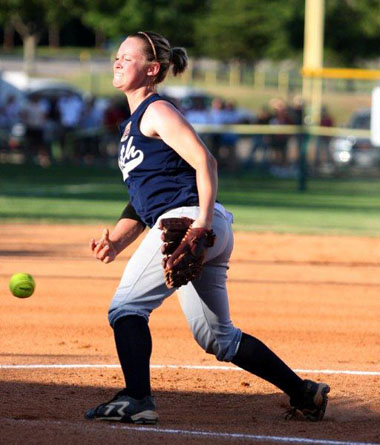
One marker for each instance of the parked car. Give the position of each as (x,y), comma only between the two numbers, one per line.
(353,150)
(22,87)
(187,98)
(20,91)
(190,100)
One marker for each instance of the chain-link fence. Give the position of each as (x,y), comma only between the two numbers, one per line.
(285,151)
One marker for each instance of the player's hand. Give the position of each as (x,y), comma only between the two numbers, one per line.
(200,223)
(104,249)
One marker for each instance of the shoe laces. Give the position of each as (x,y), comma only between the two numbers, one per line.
(305,404)
(123,392)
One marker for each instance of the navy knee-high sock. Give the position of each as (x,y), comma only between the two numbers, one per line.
(255,357)
(134,348)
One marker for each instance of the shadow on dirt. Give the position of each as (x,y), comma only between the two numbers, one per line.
(42,410)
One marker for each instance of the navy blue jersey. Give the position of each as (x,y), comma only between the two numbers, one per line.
(157,178)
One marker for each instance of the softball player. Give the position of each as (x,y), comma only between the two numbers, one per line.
(170,173)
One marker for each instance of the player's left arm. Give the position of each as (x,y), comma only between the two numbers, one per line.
(166,122)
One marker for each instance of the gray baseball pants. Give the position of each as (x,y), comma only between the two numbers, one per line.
(204,301)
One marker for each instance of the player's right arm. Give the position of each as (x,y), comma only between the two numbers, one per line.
(128,229)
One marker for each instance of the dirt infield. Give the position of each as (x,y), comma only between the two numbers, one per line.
(313,299)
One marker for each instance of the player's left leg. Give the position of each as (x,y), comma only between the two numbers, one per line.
(205,304)
(209,321)
(306,396)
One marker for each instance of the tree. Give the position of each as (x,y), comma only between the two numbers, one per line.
(244,29)
(177,21)
(103,17)
(352,30)
(56,16)
(117,18)
(253,29)
(8,30)
(30,19)
(9,33)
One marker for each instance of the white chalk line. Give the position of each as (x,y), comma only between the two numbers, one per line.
(197,433)
(198,367)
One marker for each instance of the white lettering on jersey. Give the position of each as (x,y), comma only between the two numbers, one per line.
(129,158)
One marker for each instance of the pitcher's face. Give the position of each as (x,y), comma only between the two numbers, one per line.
(131,65)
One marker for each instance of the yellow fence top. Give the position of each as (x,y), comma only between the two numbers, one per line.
(252,129)
(341,73)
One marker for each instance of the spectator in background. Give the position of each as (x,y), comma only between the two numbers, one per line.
(90,123)
(279,142)
(296,110)
(45,104)
(215,116)
(296,113)
(52,125)
(198,114)
(322,150)
(231,115)
(9,113)
(93,113)
(216,113)
(9,116)
(70,108)
(114,115)
(34,117)
(261,141)
(235,115)
(223,144)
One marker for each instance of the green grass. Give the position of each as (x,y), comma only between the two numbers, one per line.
(71,194)
(328,206)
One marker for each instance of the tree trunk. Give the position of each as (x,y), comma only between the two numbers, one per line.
(9,33)
(30,44)
(54,36)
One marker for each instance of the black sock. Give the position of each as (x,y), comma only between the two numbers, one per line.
(134,347)
(255,357)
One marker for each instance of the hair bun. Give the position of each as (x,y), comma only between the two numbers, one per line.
(179,59)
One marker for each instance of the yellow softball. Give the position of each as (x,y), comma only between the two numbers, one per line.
(22,285)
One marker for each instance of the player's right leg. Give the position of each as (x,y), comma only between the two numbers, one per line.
(124,408)
(141,289)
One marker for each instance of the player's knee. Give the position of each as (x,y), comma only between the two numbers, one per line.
(116,314)
(222,344)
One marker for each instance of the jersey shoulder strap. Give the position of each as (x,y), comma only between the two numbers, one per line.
(135,117)
(140,110)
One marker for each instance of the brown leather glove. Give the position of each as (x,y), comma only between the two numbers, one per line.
(184,250)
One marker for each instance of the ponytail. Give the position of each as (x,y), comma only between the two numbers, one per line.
(179,60)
